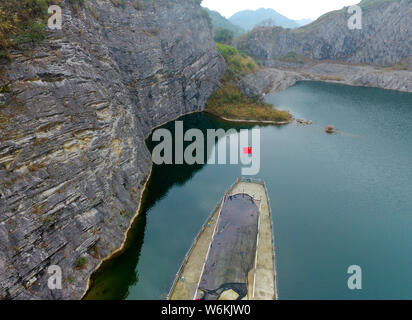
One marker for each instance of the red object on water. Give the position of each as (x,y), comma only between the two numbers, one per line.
(247,150)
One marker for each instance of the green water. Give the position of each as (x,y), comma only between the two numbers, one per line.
(337,200)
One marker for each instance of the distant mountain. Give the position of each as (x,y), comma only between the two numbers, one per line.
(303,22)
(249,19)
(218,21)
(385,37)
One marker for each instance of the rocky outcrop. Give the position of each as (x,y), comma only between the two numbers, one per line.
(276,79)
(385,37)
(268,80)
(74,114)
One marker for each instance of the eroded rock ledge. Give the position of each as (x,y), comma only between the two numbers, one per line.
(278,79)
(73,122)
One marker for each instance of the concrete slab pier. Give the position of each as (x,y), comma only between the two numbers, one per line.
(220,265)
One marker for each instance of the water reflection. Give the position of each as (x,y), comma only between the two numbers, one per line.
(113,279)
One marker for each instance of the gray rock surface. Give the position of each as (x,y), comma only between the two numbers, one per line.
(276,79)
(73,159)
(385,37)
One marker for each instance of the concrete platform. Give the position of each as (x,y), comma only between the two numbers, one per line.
(255,273)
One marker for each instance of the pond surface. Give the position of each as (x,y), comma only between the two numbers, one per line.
(337,200)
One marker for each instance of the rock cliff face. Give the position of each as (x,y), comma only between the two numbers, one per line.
(385,37)
(275,79)
(74,114)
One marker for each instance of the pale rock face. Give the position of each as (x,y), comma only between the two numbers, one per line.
(73,159)
(385,37)
(278,79)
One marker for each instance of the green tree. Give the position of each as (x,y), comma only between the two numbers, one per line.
(223,35)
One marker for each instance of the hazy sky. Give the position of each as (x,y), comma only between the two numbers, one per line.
(293,9)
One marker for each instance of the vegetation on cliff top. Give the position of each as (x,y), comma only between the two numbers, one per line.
(224,35)
(220,22)
(24,21)
(230,102)
(21,21)
(240,64)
